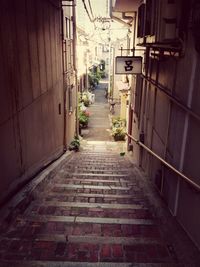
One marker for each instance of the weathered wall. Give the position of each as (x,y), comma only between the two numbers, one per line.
(70,89)
(173,133)
(31,126)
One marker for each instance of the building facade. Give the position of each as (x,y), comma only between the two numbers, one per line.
(164,111)
(32,94)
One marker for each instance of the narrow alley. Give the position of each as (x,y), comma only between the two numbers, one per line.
(93,208)
(99,133)
(99,123)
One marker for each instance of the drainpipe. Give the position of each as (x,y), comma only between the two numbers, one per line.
(64,90)
(134,32)
(75,63)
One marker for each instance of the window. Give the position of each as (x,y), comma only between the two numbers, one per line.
(69,28)
(141,16)
(148,17)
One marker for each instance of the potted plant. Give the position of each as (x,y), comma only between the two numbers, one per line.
(75,144)
(83,118)
(118,133)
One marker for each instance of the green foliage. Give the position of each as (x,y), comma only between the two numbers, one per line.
(83,114)
(118,129)
(119,133)
(96,74)
(85,100)
(83,119)
(118,122)
(93,79)
(75,144)
(102,74)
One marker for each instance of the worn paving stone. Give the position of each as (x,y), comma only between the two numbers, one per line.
(94,215)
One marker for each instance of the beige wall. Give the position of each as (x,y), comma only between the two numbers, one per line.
(173,134)
(31,128)
(171,131)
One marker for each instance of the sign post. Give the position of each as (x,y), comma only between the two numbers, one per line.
(128,65)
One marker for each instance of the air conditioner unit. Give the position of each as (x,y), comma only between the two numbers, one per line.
(167,15)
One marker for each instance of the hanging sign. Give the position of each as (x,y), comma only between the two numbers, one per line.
(128,65)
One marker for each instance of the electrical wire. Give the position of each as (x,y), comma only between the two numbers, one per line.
(90,8)
(91,19)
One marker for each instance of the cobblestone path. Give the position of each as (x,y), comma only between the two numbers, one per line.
(92,212)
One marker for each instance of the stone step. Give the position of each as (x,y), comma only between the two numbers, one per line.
(26,263)
(89,205)
(88,252)
(82,219)
(93,212)
(109,175)
(83,186)
(102,155)
(89,180)
(89,239)
(102,159)
(30,227)
(95,198)
(62,210)
(104,162)
(100,169)
(99,195)
(94,190)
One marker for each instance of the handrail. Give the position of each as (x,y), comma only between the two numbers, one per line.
(187,179)
(171,97)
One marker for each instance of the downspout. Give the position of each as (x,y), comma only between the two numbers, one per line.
(130,127)
(64,90)
(75,63)
(134,31)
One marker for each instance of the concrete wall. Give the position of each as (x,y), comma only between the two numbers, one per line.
(31,126)
(174,135)
(172,131)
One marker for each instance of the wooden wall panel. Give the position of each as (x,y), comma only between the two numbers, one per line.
(41,45)
(31,128)
(22,43)
(33,47)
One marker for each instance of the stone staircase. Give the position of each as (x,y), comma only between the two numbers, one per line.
(93,212)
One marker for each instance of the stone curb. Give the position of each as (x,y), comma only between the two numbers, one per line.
(22,199)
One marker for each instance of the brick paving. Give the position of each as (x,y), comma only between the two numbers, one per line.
(96,210)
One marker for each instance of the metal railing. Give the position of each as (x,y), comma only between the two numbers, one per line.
(183,176)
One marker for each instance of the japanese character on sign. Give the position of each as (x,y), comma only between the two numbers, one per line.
(128,66)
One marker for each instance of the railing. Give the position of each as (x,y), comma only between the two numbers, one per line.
(183,176)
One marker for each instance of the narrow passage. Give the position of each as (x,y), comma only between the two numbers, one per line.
(96,207)
(99,123)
